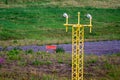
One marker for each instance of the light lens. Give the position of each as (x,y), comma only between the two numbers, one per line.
(89,16)
(65,15)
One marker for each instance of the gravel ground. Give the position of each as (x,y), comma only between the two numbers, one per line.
(99,48)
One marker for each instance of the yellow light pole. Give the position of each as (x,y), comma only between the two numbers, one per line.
(77,46)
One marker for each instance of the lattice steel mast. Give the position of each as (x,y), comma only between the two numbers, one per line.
(77,46)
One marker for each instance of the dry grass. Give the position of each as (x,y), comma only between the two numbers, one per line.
(68,3)
(34,42)
(45,66)
(41,42)
(84,3)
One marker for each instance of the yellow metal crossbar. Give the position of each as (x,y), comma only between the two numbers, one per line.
(77,47)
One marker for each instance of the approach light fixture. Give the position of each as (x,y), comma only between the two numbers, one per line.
(78,46)
(65,15)
(89,16)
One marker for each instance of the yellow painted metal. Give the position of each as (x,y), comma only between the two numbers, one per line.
(77,48)
(90,25)
(66,23)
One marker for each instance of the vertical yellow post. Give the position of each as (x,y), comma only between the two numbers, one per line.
(77,47)
(78,18)
(67,23)
(90,25)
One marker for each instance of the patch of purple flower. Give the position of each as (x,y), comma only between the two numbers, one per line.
(2,60)
(98,48)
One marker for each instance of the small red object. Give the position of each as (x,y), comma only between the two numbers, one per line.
(51,47)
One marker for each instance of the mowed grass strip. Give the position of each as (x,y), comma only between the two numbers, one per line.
(46,23)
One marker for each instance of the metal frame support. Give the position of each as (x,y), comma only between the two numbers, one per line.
(77,47)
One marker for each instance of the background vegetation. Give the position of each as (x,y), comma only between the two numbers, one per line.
(41,21)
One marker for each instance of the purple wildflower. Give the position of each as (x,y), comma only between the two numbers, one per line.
(2,60)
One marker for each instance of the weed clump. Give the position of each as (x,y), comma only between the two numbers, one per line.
(60,50)
(14,54)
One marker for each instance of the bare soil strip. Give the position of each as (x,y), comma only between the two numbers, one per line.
(99,48)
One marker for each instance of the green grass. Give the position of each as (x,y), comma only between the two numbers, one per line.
(41,22)
(45,24)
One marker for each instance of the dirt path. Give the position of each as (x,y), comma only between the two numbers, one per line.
(99,48)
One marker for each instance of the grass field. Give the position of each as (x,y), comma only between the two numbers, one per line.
(44,24)
(27,65)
